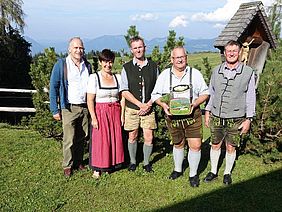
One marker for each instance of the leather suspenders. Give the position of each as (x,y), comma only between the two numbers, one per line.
(190,83)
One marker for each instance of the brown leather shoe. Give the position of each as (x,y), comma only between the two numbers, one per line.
(67,172)
(81,167)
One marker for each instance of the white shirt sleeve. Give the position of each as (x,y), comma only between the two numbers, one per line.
(124,80)
(92,84)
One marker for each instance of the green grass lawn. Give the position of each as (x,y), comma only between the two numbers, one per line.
(197,58)
(31,180)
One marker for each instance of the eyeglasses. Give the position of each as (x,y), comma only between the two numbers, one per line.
(179,57)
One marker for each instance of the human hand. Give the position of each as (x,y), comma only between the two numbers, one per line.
(192,106)
(207,119)
(95,123)
(245,126)
(57,117)
(144,109)
(166,108)
(122,120)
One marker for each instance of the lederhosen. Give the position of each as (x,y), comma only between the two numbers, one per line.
(183,121)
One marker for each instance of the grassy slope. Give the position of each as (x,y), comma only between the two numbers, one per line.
(31,180)
(196,58)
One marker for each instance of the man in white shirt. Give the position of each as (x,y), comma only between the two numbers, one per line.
(183,127)
(68,84)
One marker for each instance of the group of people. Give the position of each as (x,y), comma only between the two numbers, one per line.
(127,100)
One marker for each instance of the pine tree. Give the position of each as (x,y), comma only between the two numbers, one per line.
(15,60)
(267,133)
(156,55)
(131,32)
(170,44)
(11,13)
(275,16)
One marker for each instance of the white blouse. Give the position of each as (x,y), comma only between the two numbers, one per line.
(103,92)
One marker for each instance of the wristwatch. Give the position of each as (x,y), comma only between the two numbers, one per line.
(250,118)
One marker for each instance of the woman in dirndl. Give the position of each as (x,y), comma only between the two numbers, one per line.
(106,109)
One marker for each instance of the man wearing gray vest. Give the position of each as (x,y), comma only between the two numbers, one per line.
(230,109)
(138,78)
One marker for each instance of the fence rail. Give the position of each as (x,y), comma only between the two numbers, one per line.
(10,90)
(17,109)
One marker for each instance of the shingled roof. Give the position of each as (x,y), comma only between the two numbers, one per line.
(237,28)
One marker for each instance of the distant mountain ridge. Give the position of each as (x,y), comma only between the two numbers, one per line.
(117,43)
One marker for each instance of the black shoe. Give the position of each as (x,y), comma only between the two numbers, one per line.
(132,167)
(194,181)
(227,180)
(210,177)
(148,168)
(174,175)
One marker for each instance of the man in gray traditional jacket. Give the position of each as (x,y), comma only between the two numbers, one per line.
(231,108)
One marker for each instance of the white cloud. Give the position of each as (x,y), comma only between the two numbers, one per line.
(224,13)
(144,17)
(268,2)
(180,20)
(219,26)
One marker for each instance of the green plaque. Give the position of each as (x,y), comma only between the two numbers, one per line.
(179,106)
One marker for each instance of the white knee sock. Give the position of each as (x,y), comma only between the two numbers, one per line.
(229,162)
(194,160)
(178,157)
(214,155)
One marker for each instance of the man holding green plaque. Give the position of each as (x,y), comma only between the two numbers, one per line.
(180,90)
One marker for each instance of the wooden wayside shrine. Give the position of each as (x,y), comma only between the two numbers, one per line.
(250,27)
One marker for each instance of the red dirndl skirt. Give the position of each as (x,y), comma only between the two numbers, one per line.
(106,147)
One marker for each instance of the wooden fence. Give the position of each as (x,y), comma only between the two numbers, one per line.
(17,98)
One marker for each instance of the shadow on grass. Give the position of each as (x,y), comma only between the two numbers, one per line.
(162,148)
(259,194)
(165,147)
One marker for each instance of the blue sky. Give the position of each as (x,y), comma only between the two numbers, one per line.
(60,20)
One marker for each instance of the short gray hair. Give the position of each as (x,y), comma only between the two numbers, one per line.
(75,38)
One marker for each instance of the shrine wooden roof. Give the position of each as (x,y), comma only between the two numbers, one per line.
(250,17)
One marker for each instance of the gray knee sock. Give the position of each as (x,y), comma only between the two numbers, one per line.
(132,149)
(178,157)
(214,155)
(147,151)
(229,162)
(194,160)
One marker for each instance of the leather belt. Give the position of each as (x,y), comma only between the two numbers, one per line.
(79,105)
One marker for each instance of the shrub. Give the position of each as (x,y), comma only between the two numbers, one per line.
(266,139)
(40,74)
